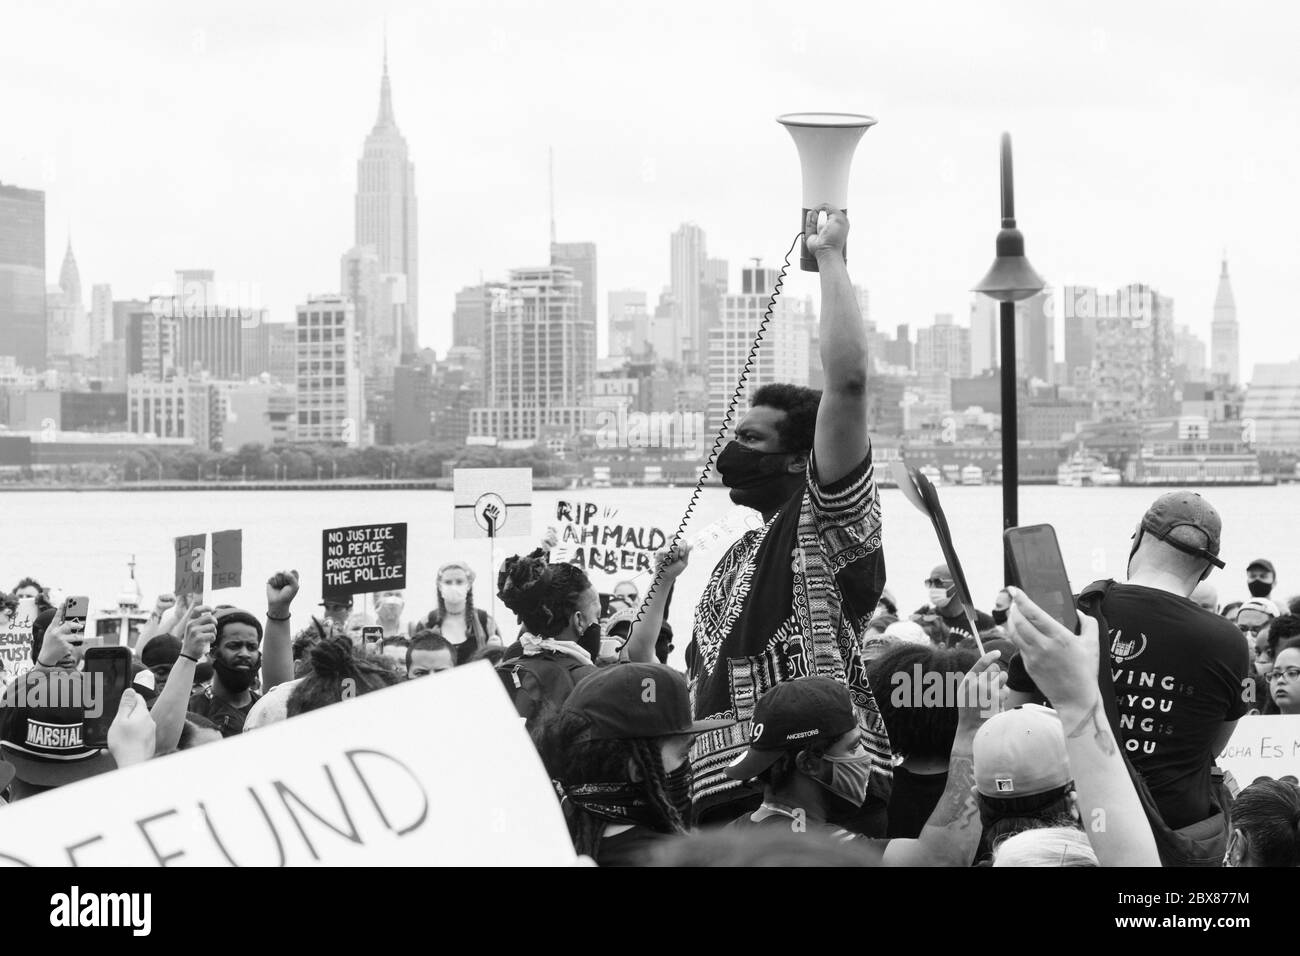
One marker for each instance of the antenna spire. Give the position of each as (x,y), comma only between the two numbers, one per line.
(550,164)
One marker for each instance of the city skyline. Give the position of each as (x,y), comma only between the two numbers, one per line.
(1098,207)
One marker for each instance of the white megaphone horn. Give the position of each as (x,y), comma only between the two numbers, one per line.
(826,142)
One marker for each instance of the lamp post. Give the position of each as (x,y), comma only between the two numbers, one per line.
(1010,279)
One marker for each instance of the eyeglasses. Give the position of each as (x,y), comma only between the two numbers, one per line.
(1252,629)
(936,583)
(1291,674)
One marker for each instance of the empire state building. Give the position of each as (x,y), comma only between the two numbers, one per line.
(386,213)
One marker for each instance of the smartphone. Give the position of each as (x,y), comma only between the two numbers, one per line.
(1038,569)
(372,634)
(108,674)
(76,607)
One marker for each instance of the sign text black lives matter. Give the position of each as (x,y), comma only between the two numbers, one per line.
(363,559)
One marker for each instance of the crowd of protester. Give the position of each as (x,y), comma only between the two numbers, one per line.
(817,722)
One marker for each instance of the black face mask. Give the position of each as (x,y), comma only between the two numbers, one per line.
(589,639)
(627,802)
(999,617)
(754,477)
(1259,589)
(233,678)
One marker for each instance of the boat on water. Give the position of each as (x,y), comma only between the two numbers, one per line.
(933,474)
(121,625)
(1085,471)
(972,475)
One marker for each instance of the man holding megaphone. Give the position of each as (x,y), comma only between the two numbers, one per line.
(792,598)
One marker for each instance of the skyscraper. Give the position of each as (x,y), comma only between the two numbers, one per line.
(1225,364)
(1078,304)
(782,355)
(1035,336)
(386,211)
(688,258)
(1189,356)
(473,306)
(943,347)
(68,330)
(22,276)
(331,404)
(581,258)
(539,358)
(1133,355)
(629,322)
(101,316)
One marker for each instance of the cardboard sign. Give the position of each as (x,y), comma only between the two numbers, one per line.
(191,561)
(492,502)
(596,538)
(227,559)
(363,559)
(1263,747)
(16,640)
(359,783)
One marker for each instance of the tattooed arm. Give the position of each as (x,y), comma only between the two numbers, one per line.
(1064,666)
(952,834)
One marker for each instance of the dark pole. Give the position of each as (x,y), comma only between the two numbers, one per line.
(1010,448)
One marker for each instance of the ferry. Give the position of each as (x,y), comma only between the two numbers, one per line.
(128,618)
(1082,471)
(932,473)
(972,475)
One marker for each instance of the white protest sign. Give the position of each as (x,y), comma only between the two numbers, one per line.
(1263,747)
(16,640)
(495,500)
(365,782)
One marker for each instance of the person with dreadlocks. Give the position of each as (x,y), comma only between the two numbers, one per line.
(463,626)
(560,611)
(618,753)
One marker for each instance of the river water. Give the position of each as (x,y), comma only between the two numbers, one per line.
(80,542)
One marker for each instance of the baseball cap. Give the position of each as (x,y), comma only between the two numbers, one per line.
(1263,563)
(1021,753)
(632,700)
(44,744)
(1185,509)
(792,715)
(1263,605)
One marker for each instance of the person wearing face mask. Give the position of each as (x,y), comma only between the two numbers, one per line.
(389,611)
(943,601)
(1001,608)
(1260,577)
(460,624)
(560,611)
(617,751)
(807,753)
(794,597)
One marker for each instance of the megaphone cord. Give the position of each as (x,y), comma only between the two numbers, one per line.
(722,429)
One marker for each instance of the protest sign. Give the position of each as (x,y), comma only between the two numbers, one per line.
(191,561)
(16,640)
(596,538)
(1263,747)
(360,783)
(363,559)
(492,502)
(227,559)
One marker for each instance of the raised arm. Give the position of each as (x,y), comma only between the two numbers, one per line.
(172,704)
(640,646)
(840,441)
(1064,666)
(951,836)
(277,639)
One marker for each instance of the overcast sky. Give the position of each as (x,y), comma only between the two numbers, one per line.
(1148,137)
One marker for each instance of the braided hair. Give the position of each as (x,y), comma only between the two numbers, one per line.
(572,759)
(542,595)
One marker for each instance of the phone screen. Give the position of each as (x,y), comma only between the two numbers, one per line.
(1039,571)
(108,674)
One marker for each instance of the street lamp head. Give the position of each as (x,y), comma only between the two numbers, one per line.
(1011,277)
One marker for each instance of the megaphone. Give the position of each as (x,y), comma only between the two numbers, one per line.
(826,142)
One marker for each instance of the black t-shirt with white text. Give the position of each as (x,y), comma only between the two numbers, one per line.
(1179,673)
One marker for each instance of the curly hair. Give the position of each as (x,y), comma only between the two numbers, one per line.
(1282,628)
(334,663)
(572,759)
(917,731)
(800,405)
(542,595)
